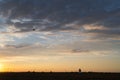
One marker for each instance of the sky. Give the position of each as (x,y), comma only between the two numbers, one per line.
(60,35)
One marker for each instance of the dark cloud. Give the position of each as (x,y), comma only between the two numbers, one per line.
(108,32)
(80,50)
(53,15)
(18,46)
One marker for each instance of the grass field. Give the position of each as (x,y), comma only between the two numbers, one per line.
(59,76)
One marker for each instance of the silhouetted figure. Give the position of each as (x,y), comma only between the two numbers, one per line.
(80,70)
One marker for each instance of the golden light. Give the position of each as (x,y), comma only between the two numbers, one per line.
(1,67)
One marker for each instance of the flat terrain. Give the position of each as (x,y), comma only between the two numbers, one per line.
(59,76)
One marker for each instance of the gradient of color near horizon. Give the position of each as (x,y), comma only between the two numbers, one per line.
(60,35)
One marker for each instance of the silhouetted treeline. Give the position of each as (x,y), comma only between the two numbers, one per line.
(59,76)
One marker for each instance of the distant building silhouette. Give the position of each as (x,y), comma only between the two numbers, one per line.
(80,70)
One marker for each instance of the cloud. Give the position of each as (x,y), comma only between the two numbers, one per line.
(92,52)
(79,51)
(91,18)
(5,39)
(18,46)
(58,13)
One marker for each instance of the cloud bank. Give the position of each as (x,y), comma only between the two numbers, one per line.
(58,15)
(61,21)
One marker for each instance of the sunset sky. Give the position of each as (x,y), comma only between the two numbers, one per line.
(60,35)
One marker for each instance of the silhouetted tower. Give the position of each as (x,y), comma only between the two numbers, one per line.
(80,70)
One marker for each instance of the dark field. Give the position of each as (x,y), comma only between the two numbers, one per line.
(59,76)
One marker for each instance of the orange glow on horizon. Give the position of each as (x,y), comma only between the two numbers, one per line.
(1,68)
